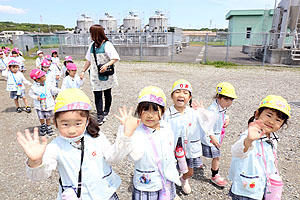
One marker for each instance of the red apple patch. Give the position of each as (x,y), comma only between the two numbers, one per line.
(252,185)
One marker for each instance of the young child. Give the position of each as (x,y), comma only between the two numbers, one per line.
(15,85)
(50,77)
(72,80)
(15,56)
(254,153)
(3,64)
(186,124)
(55,69)
(153,153)
(41,92)
(68,59)
(6,55)
(39,59)
(81,152)
(211,143)
(55,58)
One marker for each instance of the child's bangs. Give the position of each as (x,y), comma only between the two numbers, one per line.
(82,113)
(280,114)
(145,106)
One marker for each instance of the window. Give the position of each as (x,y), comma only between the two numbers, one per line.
(248,32)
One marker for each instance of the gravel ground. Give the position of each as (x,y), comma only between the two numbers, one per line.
(251,83)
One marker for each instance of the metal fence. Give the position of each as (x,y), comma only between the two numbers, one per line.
(239,48)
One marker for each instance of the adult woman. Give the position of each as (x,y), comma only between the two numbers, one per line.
(106,54)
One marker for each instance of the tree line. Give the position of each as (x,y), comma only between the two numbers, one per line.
(29,27)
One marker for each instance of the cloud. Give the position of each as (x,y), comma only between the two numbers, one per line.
(12,10)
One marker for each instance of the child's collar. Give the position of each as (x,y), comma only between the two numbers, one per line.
(273,137)
(220,107)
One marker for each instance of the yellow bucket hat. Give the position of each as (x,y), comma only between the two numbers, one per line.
(182,84)
(226,89)
(72,99)
(276,102)
(152,94)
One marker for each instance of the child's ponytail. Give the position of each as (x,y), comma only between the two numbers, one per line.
(92,128)
(252,118)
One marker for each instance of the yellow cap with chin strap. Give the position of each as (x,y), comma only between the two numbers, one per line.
(72,99)
(277,103)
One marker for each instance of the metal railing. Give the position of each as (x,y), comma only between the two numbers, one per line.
(240,48)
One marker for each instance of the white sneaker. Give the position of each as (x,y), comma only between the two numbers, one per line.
(105,113)
(177,197)
(186,188)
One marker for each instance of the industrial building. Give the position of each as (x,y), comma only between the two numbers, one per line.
(130,38)
(247,26)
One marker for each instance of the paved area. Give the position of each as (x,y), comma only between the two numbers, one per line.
(196,54)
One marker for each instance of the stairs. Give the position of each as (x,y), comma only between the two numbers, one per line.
(295,54)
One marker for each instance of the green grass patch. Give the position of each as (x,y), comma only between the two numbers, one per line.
(217,43)
(221,64)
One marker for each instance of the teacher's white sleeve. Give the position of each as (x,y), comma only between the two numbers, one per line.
(111,51)
(88,53)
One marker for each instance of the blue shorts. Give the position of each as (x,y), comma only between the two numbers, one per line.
(146,195)
(194,162)
(210,151)
(13,94)
(44,114)
(114,197)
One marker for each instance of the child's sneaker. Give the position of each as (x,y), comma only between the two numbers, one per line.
(18,110)
(49,131)
(218,180)
(28,109)
(43,130)
(186,188)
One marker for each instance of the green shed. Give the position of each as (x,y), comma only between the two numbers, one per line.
(247,26)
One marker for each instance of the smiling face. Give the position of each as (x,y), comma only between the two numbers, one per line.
(41,80)
(225,102)
(151,118)
(181,98)
(71,123)
(46,68)
(270,119)
(72,73)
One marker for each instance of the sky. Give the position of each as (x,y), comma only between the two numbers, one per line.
(180,13)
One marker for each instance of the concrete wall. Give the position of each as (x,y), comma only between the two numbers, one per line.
(80,51)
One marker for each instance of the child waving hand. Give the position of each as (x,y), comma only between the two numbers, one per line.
(81,152)
(254,160)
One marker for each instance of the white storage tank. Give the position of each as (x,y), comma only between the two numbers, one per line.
(84,24)
(109,24)
(132,23)
(158,23)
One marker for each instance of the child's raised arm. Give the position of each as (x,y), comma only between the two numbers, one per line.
(255,131)
(196,104)
(32,147)
(130,123)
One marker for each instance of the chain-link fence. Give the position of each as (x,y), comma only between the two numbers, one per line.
(240,48)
